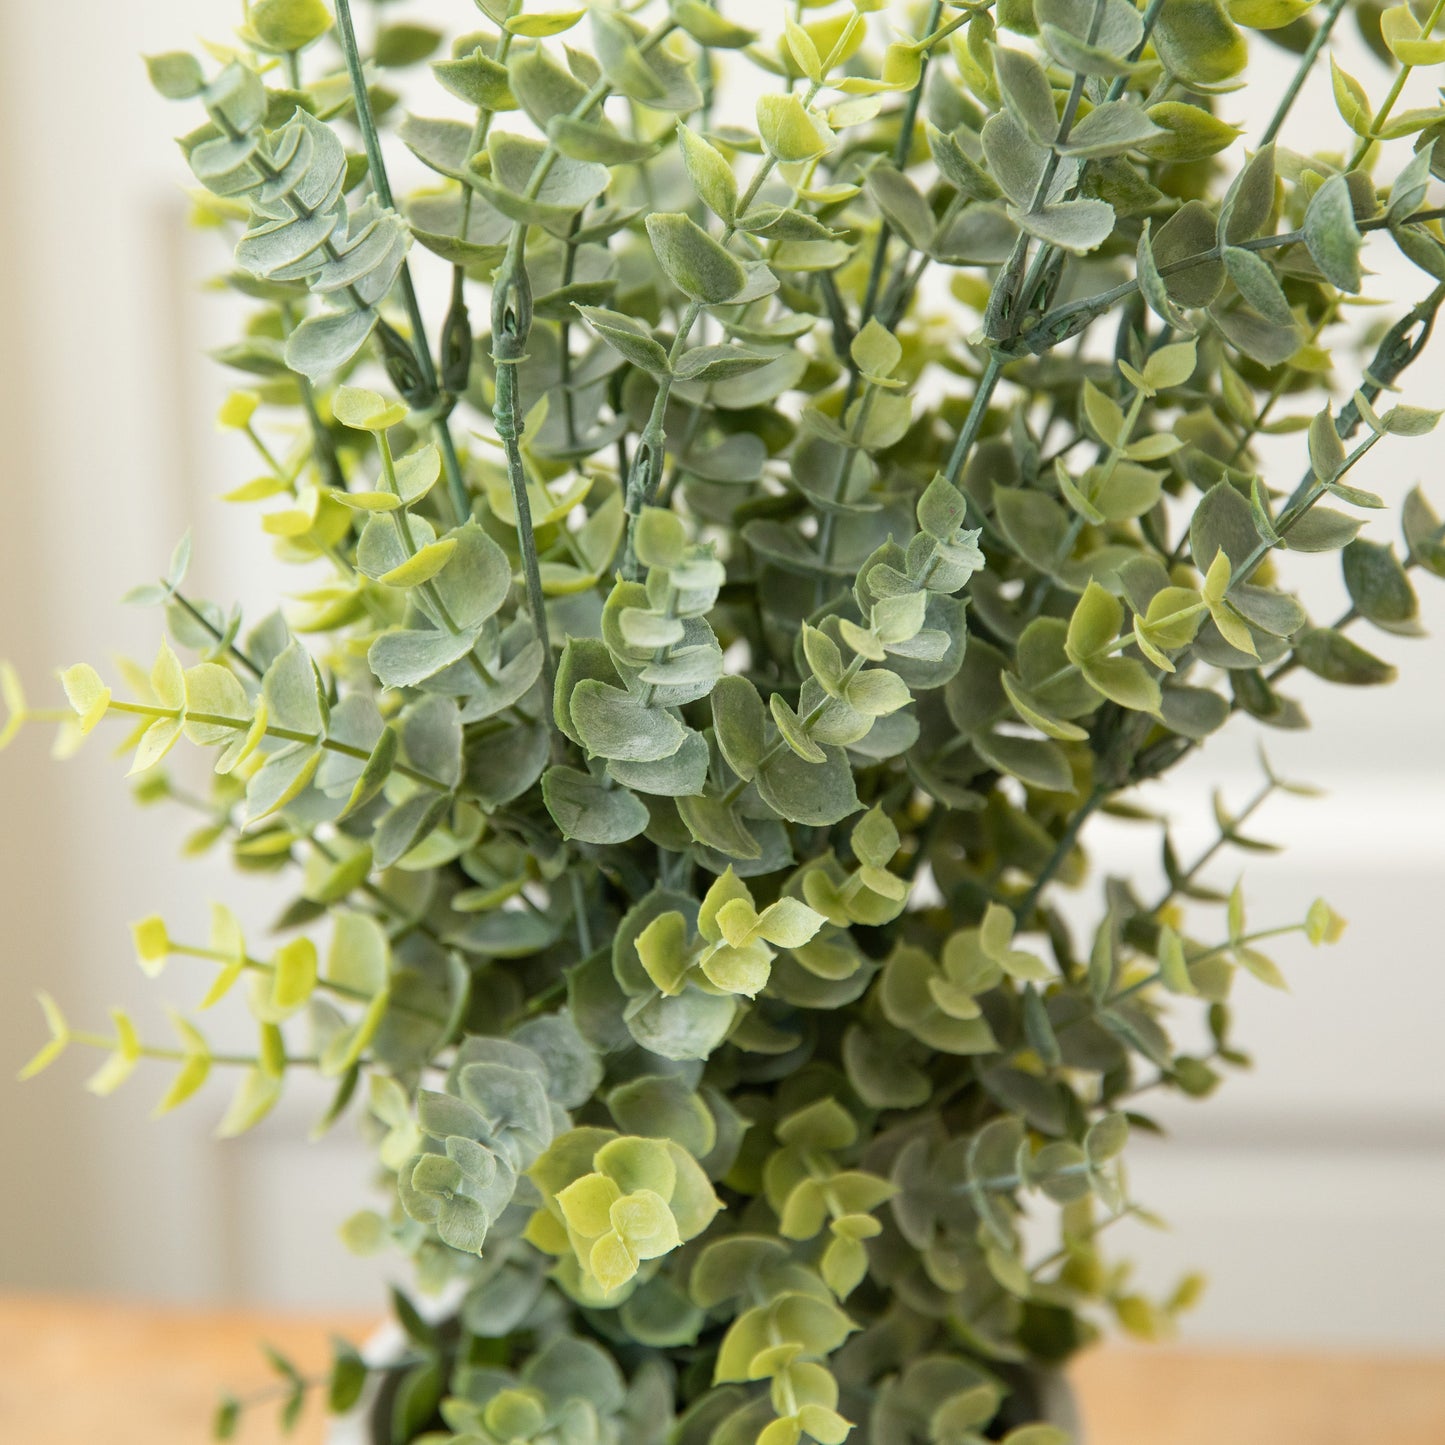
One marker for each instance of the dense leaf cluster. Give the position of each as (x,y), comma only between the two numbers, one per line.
(709,661)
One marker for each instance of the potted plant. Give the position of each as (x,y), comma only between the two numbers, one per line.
(723,617)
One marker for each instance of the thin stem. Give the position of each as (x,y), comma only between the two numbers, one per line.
(289,735)
(511,324)
(1207,856)
(1048,253)
(579,913)
(1306,64)
(645,473)
(376,165)
(973,424)
(1287,373)
(260,965)
(907,123)
(827,527)
(1149,980)
(179,1056)
(200,617)
(1065,845)
(322,446)
(1388,104)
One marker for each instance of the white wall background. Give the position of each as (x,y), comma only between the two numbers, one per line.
(1312,1190)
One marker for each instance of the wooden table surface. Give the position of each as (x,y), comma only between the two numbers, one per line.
(82,1372)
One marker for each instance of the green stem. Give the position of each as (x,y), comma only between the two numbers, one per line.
(1047,253)
(260,965)
(645,472)
(322,446)
(376,164)
(202,620)
(289,735)
(973,423)
(1388,104)
(1207,856)
(1091,306)
(511,324)
(1065,845)
(908,120)
(1149,980)
(827,527)
(179,1056)
(1306,64)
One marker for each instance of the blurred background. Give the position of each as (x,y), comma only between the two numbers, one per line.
(1311,1190)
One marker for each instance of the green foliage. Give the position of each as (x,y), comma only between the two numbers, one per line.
(711,655)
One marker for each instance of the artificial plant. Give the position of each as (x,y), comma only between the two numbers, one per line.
(722,616)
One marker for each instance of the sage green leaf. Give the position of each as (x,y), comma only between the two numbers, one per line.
(1272,612)
(1094,624)
(718,363)
(410,656)
(711,175)
(1026,91)
(739,724)
(959,168)
(1197,42)
(476,79)
(1257,284)
(1093,39)
(698,266)
(904,207)
(1033,761)
(1321,529)
(791,730)
(1189,236)
(1123,680)
(690,1026)
(1222,522)
(653,78)
(716,824)
(1014,159)
(567,187)
(1079,226)
(176,74)
(474,585)
(1033,712)
(1185,132)
(683,774)
(1331,235)
(326,341)
(626,336)
(542,87)
(407,825)
(790,132)
(1249,202)
(1112,128)
(815,794)
(444,146)
(284,25)
(611,723)
(1379,587)
(1152,285)
(587,809)
(1331,655)
(1194,712)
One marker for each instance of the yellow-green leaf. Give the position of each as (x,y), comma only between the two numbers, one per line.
(422,566)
